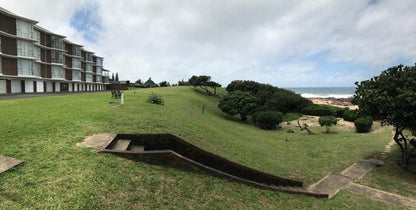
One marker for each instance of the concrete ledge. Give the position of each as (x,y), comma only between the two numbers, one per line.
(7,163)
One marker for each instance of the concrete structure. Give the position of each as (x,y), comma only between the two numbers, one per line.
(35,60)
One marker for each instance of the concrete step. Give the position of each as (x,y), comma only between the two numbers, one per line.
(7,163)
(136,148)
(121,144)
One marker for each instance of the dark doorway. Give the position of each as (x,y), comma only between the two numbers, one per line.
(22,85)
(35,86)
(53,86)
(44,87)
(64,87)
(8,86)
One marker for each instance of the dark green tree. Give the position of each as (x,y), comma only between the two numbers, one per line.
(327,121)
(116,77)
(112,77)
(391,98)
(205,83)
(164,84)
(238,102)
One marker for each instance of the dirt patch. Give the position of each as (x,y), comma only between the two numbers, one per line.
(338,102)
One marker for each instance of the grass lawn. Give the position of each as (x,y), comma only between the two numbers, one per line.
(43,132)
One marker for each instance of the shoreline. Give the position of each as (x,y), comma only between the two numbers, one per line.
(338,102)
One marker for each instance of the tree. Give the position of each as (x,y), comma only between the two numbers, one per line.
(238,102)
(391,98)
(164,84)
(117,76)
(183,83)
(204,82)
(327,121)
(112,77)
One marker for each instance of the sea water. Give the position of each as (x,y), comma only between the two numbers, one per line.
(324,92)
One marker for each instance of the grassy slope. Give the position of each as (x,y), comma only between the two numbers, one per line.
(57,174)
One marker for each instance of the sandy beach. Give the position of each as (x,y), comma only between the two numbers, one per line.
(339,102)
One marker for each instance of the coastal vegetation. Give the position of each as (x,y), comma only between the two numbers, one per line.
(328,122)
(391,98)
(57,174)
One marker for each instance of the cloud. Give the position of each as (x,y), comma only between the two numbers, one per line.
(296,43)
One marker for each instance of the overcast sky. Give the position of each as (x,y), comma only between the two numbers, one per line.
(283,43)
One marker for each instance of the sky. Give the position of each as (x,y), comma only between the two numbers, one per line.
(298,43)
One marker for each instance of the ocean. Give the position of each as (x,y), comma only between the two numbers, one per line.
(324,92)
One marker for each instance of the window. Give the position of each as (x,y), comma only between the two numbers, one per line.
(24,67)
(36,52)
(1,64)
(36,69)
(76,63)
(88,77)
(76,75)
(24,29)
(88,57)
(88,67)
(24,48)
(98,78)
(57,57)
(36,36)
(99,62)
(57,42)
(76,51)
(98,70)
(57,72)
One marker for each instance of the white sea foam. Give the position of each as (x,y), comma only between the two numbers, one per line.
(310,95)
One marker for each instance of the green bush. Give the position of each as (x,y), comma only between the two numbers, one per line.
(319,110)
(155,99)
(350,115)
(290,131)
(327,121)
(363,124)
(268,119)
(340,112)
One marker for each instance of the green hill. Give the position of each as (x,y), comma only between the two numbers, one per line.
(43,132)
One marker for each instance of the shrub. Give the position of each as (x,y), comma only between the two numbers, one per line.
(327,121)
(238,102)
(339,112)
(319,110)
(155,99)
(350,115)
(268,119)
(363,124)
(290,131)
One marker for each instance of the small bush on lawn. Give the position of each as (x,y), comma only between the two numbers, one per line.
(363,124)
(350,115)
(155,99)
(290,131)
(327,121)
(319,110)
(268,119)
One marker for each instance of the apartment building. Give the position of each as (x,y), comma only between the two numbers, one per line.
(35,60)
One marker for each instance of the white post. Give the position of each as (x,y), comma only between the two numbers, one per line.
(122,98)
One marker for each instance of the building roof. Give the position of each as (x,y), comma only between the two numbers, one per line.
(46,31)
(87,51)
(69,42)
(11,14)
(98,56)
